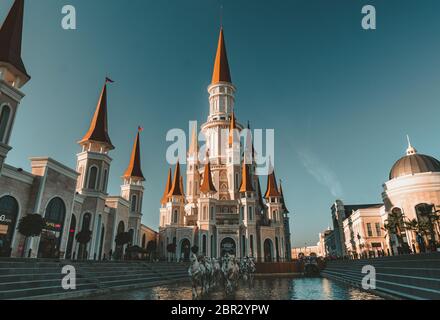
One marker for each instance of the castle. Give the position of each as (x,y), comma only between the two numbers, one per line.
(222,210)
(71,201)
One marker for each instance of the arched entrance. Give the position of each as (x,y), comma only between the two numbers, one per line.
(101,243)
(228,245)
(82,250)
(50,239)
(268,250)
(8,221)
(131,235)
(277,249)
(119,251)
(72,231)
(185,249)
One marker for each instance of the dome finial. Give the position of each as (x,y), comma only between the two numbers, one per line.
(411,150)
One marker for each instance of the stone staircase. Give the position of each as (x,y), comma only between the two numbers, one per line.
(41,279)
(405,277)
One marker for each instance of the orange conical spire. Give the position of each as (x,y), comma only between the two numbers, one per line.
(232,129)
(221,66)
(207,184)
(283,202)
(134,168)
(181,186)
(11,35)
(167,188)
(272,188)
(98,131)
(246,183)
(175,188)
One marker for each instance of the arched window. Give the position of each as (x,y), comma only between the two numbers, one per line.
(86,222)
(241,213)
(133,203)
(251,239)
(211,213)
(175,216)
(121,227)
(4,120)
(131,233)
(212,246)
(55,211)
(243,245)
(93,175)
(204,244)
(104,180)
(250,214)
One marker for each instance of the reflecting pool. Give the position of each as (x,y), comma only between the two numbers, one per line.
(263,289)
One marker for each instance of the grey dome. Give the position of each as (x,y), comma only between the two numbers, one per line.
(413,164)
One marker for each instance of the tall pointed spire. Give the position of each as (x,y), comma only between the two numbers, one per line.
(182,189)
(167,188)
(232,130)
(221,66)
(246,182)
(98,131)
(260,194)
(175,188)
(411,150)
(272,188)
(11,36)
(194,145)
(283,202)
(249,151)
(134,168)
(207,184)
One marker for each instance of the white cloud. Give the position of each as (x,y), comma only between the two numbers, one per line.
(321,172)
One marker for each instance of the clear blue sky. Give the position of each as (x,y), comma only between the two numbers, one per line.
(341,99)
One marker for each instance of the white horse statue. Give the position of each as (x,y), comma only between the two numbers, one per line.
(196,272)
(231,273)
(217,271)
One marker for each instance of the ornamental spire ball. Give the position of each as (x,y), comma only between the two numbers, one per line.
(411,150)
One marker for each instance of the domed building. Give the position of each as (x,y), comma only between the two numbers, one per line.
(412,193)
(414,182)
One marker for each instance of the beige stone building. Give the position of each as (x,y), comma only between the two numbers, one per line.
(363,231)
(72,201)
(222,210)
(412,192)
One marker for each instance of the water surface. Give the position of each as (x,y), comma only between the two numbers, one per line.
(263,289)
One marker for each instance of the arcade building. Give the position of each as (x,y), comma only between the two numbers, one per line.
(70,200)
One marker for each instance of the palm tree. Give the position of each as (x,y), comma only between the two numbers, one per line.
(394,224)
(429,216)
